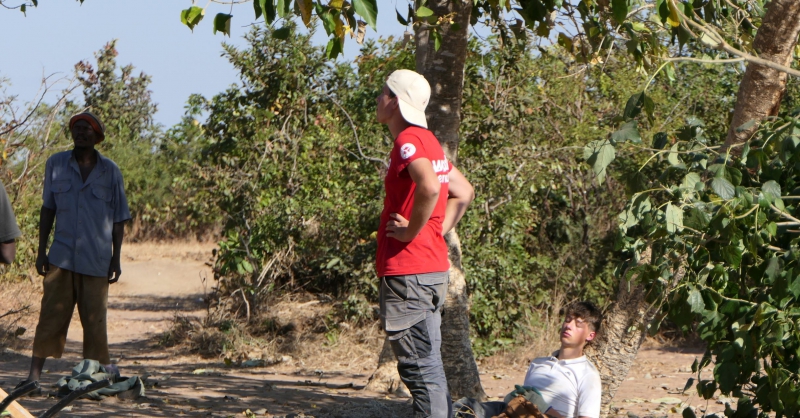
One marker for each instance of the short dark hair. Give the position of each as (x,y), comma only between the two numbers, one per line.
(587,311)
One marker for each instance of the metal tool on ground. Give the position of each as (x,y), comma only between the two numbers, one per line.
(75,394)
(9,401)
(17,411)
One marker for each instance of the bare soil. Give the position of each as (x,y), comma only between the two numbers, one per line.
(162,281)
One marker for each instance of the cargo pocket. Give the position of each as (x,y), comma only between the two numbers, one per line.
(412,343)
(433,288)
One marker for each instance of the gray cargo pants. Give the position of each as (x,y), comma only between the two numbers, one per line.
(411,312)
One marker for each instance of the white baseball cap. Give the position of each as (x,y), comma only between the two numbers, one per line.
(413,92)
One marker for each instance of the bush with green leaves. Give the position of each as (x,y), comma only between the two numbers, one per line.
(719,227)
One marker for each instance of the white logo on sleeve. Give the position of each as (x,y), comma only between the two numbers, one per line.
(407,150)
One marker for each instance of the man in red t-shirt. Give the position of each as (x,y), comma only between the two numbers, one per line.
(425,198)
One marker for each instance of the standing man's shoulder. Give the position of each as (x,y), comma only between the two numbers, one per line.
(60,157)
(110,164)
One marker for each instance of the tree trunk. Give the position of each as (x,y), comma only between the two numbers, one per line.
(444,70)
(762,87)
(622,333)
(385,379)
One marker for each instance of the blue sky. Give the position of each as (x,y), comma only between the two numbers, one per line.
(56,35)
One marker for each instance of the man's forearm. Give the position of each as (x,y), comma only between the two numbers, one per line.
(455,210)
(46,218)
(424,203)
(116,239)
(8,251)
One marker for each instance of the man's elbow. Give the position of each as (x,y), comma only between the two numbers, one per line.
(470,195)
(429,190)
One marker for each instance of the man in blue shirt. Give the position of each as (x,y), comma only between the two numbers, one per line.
(84,194)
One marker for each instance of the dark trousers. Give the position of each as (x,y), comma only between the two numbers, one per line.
(412,315)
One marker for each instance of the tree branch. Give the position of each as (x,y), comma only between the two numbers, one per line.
(724,46)
(355,134)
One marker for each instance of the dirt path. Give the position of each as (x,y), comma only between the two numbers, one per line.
(160,281)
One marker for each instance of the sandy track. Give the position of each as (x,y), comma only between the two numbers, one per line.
(160,281)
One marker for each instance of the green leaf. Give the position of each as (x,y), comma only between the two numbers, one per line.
(689,382)
(424,12)
(401,19)
(192,16)
(282,33)
(368,9)
(747,125)
(599,154)
(22,9)
(565,41)
(634,105)
(774,266)
(649,107)
(673,158)
(306,7)
(772,229)
(660,140)
(332,263)
(794,287)
(283,8)
(674,218)
(268,8)
(620,10)
(695,301)
(334,48)
(627,132)
(772,188)
(733,175)
(247,266)
(328,23)
(726,374)
(697,219)
(688,412)
(222,23)
(690,180)
(732,255)
(257,8)
(723,188)
(695,365)
(437,39)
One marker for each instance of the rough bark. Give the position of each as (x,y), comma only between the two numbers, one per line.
(444,70)
(460,368)
(622,334)
(762,87)
(385,379)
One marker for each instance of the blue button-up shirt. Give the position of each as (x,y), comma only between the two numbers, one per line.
(85,212)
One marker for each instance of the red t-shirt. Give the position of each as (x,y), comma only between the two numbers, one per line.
(427,253)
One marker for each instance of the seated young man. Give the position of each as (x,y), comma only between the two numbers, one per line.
(568,385)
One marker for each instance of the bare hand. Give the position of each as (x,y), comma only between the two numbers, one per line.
(42,264)
(397,228)
(114,270)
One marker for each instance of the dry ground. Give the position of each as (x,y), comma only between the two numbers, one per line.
(162,281)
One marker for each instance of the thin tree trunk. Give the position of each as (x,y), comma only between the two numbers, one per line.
(622,333)
(762,87)
(444,70)
(385,379)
